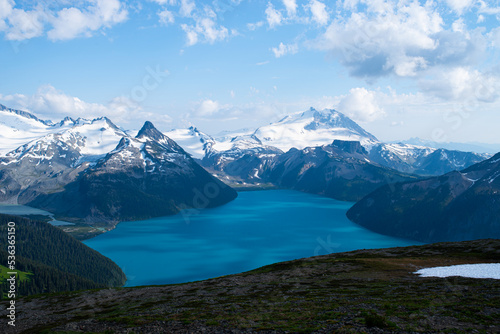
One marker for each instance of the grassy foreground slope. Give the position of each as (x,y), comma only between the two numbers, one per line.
(354,292)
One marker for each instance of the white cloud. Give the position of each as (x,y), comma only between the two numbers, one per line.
(25,24)
(460,6)
(72,22)
(165,2)
(361,105)
(400,38)
(54,103)
(291,7)
(82,19)
(255,26)
(462,84)
(200,24)
(207,108)
(51,103)
(166,17)
(6,7)
(206,30)
(486,8)
(273,17)
(283,49)
(494,37)
(319,12)
(187,8)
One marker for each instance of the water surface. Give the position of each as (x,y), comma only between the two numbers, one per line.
(256,229)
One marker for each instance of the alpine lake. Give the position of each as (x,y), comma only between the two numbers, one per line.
(256,229)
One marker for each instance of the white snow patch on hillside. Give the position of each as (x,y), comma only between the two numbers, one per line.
(480,270)
(191,140)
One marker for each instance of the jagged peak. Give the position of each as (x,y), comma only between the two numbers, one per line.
(148,130)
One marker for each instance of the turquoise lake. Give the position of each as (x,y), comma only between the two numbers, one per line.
(256,229)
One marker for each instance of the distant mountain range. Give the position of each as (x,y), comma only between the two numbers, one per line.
(314,128)
(465,147)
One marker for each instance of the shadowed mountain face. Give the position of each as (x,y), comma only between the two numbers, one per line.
(456,206)
(142,177)
(340,170)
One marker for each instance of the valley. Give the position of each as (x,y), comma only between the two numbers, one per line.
(66,167)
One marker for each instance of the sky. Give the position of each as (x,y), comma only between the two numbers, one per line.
(401,69)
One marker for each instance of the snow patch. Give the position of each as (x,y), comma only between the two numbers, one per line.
(481,270)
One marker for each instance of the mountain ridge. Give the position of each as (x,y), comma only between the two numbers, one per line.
(459,205)
(92,172)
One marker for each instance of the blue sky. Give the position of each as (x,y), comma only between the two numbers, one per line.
(401,69)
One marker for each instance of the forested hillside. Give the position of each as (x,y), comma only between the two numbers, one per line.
(54,260)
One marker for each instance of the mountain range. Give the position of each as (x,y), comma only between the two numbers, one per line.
(94,172)
(313,128)
(459,205)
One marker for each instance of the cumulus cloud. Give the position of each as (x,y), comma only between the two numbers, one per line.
(51,103)
(207,108)
(206,30)
(54,103)
(319,13)
(463,84)
(187,8)
(361,105)
(460,5)
(291,7)
(166,17)
(72,22)
(273,17)
(283,49)
(63,24)
(25,24)
(403,39)
(200,24)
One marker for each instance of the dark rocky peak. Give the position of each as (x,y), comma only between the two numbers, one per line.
(66,119)
(349,146)
(124,142)
(149,131)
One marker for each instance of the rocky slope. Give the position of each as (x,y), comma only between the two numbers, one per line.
(366,291)
(461,205)
(340,170)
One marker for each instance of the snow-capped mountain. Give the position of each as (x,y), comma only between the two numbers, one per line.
(313,128)
(244,157)
(464,147)
(192,140)
(18,127)
(94,171)
(422,160)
